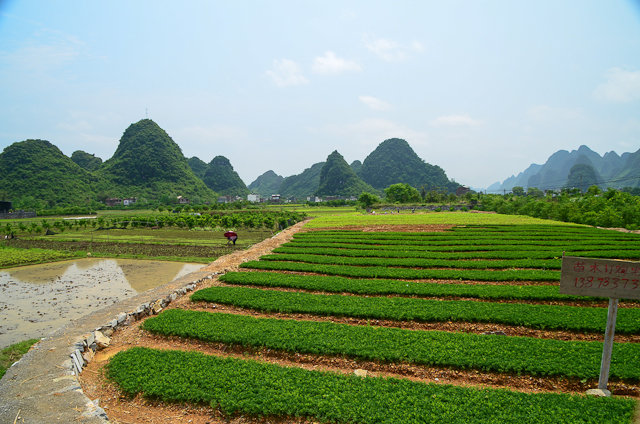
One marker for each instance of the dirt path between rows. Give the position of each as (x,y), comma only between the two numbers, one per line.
(124,410)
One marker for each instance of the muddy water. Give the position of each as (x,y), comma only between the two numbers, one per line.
(37,299)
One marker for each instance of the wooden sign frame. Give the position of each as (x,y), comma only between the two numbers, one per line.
(600,278)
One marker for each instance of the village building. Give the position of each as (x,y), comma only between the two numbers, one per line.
(462,190)
(113,201)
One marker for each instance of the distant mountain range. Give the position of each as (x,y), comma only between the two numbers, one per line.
(392,162)
(148,164)
(580,168)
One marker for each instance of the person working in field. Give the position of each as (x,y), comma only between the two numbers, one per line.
(231,236)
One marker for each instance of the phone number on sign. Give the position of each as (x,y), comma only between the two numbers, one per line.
(606,282)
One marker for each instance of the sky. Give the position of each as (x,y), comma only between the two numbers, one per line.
(480,88)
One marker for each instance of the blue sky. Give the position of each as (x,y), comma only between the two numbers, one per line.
(481,88)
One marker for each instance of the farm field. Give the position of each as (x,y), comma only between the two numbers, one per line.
(433,339)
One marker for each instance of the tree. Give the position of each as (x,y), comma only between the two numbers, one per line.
(535,191)
(368,199)
(518,191)
(402,193)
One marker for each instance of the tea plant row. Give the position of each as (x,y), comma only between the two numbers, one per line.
(259,389)
(413,262)
(546,317)
(398,287)
(452,253)
(513,355)
(408,274)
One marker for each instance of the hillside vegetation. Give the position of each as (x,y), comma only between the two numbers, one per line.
(221,178)
(304,184)
(394,162)
(86,161)
(267,184)
(148,162)
(38,174)
(338,179)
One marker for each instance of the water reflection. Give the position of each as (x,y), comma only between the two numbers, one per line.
(37,299)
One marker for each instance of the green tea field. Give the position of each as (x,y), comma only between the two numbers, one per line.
(429,318)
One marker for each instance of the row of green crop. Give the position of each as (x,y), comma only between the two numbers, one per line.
(475,238)
(527,355)
(406,274)
(259,389)
(14,257)
(488,231)
(546,317)
(509,252)
(395,287)
(462,241)
(414,262)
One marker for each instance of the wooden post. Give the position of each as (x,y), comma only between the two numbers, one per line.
(608,344)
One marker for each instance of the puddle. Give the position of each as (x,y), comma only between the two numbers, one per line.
(37,299)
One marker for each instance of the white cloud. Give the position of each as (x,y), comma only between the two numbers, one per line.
(374,104)
(389,50)
(455,121)
(622,86)
(286,72)
(543,113)
(332,64)
(47,50)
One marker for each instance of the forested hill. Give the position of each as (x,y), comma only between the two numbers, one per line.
(267,184)
(337,178)
(36,171)
(394,161)
(198,166)
(86,161)
(220,177)
(149,163)
(302,185)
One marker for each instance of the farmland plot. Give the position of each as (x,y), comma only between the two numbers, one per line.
(326,298)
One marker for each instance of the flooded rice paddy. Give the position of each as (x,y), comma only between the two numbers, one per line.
(37,299)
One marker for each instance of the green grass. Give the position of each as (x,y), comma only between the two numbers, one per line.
(11,257)
(13,353)
(265,390)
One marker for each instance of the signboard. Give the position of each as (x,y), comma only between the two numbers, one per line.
(600,278)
